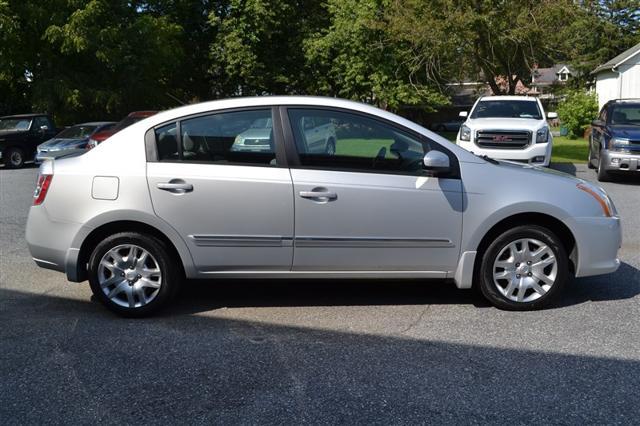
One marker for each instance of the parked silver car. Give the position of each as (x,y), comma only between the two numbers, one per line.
(72,140)
(393,201)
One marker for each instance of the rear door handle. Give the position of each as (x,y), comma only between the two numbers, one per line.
(176,186)
(319,194)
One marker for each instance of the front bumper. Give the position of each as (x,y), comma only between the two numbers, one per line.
(524,155)
(620,161)
(597,241)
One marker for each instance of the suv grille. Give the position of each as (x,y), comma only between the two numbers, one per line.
(503,139)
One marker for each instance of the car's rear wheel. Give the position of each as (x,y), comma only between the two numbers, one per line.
(525,268)
(14,158)
(132,274)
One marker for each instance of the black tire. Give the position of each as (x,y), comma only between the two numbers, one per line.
(485,278)
(590,162)
(169,273)
(13,158)
(603,175)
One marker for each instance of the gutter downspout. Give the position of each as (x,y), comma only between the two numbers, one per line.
(615,69)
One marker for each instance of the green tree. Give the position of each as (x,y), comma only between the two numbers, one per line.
(356,57)
(258,46)
(577,111)
(489,38)
(601,30)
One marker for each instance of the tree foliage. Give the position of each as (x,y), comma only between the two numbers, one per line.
(95,59)
(577,110)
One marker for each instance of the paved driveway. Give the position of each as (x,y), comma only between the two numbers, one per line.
(312,352)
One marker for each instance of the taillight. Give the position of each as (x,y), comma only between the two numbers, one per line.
(44,181)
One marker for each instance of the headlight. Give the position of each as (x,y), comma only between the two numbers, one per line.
(608,208)
(542,135)
(465,133)
(620,142)
(239,140)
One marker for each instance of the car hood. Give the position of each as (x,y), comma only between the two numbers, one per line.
(625,131)
(537,170)
(258,133)
(505,123)
(62,142)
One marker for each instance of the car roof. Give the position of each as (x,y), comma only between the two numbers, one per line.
(32,115)
(508,98)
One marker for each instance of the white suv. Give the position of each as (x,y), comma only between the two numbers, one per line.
(508,128)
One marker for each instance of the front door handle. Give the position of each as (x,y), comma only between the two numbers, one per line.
(326,195)
(176,186)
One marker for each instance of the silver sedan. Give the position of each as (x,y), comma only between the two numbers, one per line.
(392,200)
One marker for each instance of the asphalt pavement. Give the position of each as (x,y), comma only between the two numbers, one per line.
(334,352)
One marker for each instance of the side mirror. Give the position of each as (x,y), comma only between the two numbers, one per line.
(463,114)
(597,123)
(436,161)
(552,115)
(44,128)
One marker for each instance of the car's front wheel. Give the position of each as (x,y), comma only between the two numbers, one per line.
(132,274)
(590,161)
(524,268)
(603,174)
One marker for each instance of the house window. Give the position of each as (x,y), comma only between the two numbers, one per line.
(564,76)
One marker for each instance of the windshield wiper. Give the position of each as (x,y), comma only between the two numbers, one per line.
(489,159)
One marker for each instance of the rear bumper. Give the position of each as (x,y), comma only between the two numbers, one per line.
(49,242)
(525,155)
(598,241)
(620,161)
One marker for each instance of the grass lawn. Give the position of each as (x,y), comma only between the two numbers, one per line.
(565,150)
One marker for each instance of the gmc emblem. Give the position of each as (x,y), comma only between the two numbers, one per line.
(502,138)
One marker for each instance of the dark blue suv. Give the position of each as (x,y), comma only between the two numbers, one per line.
(614,145)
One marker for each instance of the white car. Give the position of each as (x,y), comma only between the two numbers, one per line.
(508,128)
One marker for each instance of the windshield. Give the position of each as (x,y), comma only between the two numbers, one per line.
(126,122)
(626,114)
(18,124)
(77,132)
(507,109)
(261,123)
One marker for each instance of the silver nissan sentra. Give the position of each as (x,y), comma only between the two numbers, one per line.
(187,194)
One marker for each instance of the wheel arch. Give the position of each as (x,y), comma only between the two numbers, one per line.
(97,234)
(552,223)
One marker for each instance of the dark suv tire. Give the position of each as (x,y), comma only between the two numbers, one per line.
(132,274)
(525,268)
(13,158)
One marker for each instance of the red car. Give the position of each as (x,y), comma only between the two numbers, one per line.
(133,117)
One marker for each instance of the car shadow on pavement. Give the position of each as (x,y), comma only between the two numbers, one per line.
(65,360)
(202,296)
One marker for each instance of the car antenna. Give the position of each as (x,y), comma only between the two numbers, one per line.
(175,98)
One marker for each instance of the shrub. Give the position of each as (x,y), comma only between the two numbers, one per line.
(577,111)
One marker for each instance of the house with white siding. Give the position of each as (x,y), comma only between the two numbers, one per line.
(619,78)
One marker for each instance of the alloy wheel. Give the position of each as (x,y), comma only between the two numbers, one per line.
(525,270)
(129,276)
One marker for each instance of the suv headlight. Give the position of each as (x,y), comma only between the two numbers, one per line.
(542,135)
(465,133)
(620,142)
